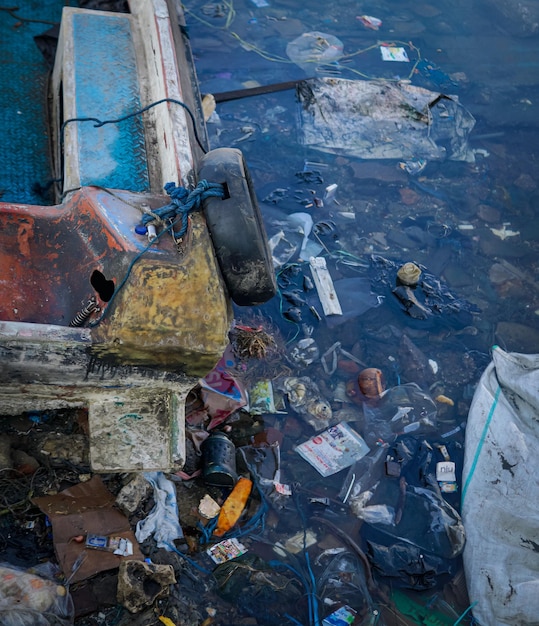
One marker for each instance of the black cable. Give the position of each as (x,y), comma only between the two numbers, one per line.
(100,123)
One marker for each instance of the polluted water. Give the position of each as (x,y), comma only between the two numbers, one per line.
(392,154)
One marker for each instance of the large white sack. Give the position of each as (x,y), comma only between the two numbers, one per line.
(500,493)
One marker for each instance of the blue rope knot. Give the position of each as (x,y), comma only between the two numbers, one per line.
(182,203)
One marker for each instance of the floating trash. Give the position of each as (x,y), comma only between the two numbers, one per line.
(314,48)
(382,120)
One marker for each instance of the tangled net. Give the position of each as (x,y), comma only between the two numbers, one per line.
(260,351)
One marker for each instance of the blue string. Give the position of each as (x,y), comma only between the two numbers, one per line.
(313,600)
(464,614)
(126,276)
(275,563)
(292,619)
(314,617)
(190,561)
(258,519)
(481,442)
(207,530)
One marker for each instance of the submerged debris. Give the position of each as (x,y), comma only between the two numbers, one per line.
(252,343)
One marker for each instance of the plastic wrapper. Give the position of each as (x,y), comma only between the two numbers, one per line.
(374,513)
(33,597)
(306,400)
(221,393)
(261,400)
(404,409)
(335,449)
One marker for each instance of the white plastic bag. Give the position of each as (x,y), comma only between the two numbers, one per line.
(33,597)
(501,492)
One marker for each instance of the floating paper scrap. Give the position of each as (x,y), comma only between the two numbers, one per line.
(334,449)
(393,53)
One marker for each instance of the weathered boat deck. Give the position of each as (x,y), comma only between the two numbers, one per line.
(24,73)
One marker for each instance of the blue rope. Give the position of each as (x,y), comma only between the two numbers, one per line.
(207,530)
(464,614)
(190,561)
(310,584)
(275,564)
(257,520)
(480,444)
(182,203)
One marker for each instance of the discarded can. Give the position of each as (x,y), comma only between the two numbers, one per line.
(446,477)
(371,382)
(219,459)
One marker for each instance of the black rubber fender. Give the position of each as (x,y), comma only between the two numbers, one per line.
(237,230)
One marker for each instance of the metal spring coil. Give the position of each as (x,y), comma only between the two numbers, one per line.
(84,313)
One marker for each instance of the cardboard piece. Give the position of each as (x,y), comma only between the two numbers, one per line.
(86,508)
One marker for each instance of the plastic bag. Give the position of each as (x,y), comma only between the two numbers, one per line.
(342,582)
(221,393)
(314,48)
(33,598)
(374,513)
(364,474)
(501,491)
(427,536)
(289,236)
(258,589)
(422,518)
(355,297)
(400,410)
(408,565)
(264,463)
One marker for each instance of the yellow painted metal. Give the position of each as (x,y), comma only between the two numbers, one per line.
(178,312)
